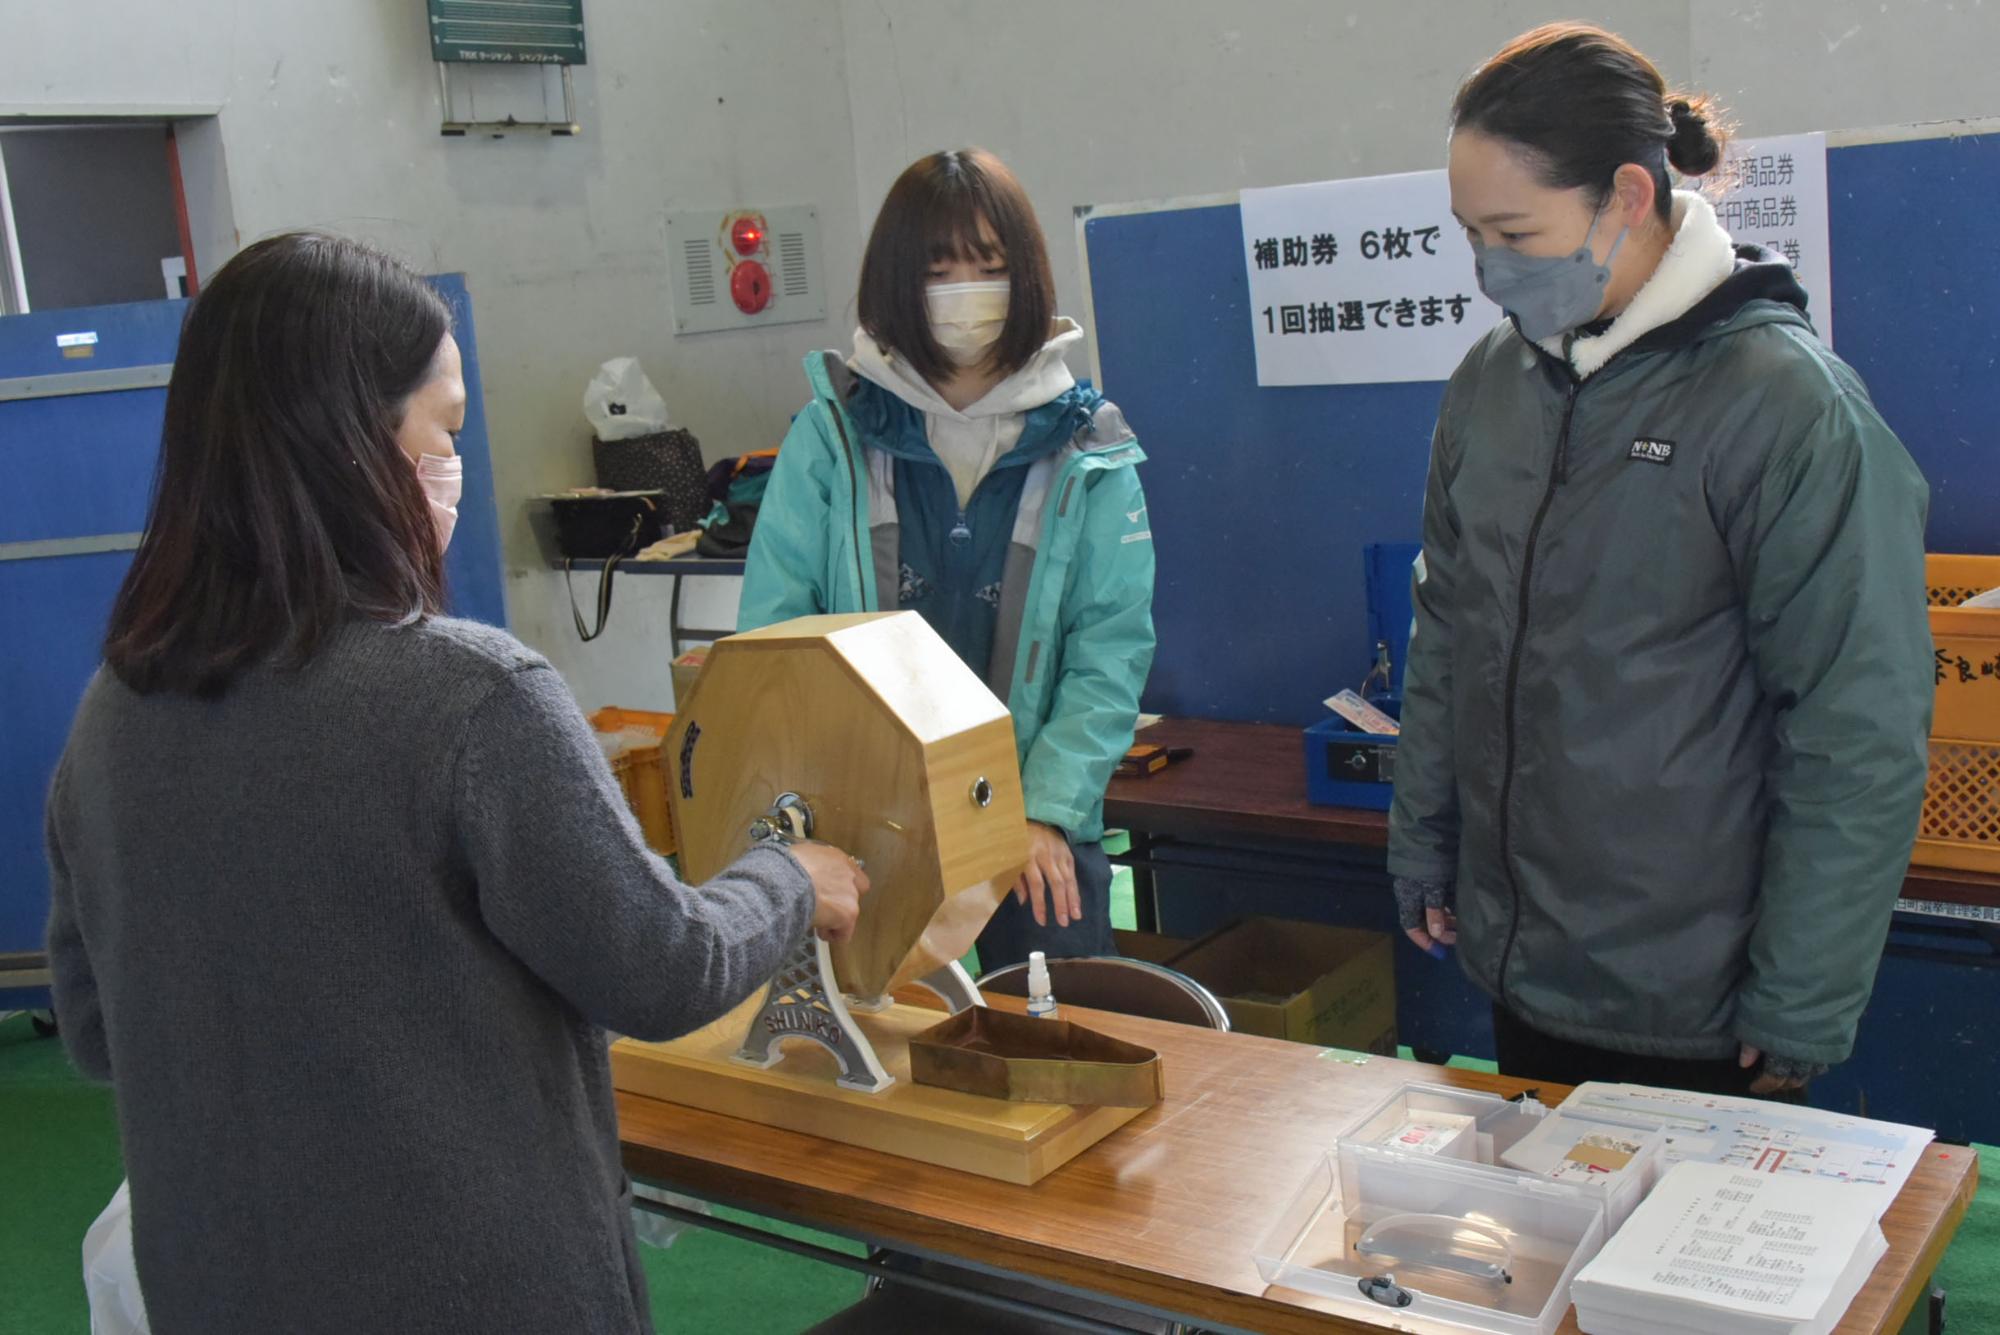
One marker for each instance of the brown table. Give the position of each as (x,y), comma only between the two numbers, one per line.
(1161,1216)
(1247,781)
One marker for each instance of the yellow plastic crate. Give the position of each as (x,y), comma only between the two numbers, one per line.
(642,773)
(1960,825)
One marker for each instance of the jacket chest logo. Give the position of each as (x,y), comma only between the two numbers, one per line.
(1647,451)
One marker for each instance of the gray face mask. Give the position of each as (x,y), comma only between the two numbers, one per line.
(1546,294)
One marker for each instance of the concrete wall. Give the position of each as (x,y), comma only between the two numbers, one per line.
(329,119)
(94,212)
(1794,65)
(1109,101)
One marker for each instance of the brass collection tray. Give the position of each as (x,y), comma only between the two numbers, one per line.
(1001,1055)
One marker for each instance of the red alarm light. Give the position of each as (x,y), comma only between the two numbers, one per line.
(747,235)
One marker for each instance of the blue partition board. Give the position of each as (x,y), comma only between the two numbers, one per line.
(82,465)
(472,562)
(1916,310)
(1263,500)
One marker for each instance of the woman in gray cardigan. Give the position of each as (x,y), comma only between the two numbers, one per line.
(345,895)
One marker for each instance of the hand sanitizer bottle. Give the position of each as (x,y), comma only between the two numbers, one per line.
(1041,1000)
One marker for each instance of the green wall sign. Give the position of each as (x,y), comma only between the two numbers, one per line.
(507,32)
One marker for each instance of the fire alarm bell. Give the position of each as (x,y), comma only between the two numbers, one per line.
(738,268)
(750,287)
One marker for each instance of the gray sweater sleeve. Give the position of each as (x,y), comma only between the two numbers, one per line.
(567,884)
(78,1008)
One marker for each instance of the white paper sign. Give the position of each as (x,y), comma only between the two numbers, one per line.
(1360,282)
(1776,197)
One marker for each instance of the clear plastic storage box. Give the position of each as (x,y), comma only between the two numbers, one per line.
(1500,1127)
(1434,1240)
(1418,1210)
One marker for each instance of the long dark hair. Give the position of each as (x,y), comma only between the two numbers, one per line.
(283,506)
(933,213)
(1583,102)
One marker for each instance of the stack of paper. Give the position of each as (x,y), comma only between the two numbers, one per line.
(1717,1250)
(1777,1139)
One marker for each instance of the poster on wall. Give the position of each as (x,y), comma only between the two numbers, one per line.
(1370,281)
(1772,193)
(1360,282)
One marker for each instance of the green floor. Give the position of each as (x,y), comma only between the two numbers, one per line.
(59,1164)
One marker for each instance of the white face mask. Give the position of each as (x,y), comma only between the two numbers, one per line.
(966,318)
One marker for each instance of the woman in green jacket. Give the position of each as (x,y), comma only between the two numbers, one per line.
(1664,737)
(953,466)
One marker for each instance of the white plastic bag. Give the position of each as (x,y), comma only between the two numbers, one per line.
(1990,598)
(110,1278)
(621,403)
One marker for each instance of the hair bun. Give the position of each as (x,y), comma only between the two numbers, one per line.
(1694,149)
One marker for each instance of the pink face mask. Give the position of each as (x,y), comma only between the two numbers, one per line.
(442,476)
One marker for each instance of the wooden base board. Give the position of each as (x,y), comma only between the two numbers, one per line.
(1014,1142)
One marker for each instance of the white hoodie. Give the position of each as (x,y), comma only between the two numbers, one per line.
(972,441)
(1700,256)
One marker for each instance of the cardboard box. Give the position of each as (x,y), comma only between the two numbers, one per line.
(1149,946)
(1303,981)
(686,668)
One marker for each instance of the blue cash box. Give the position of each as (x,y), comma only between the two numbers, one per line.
(1346,767)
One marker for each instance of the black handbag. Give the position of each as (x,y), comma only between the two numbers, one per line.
(729,540)
(605,528)
(667,463)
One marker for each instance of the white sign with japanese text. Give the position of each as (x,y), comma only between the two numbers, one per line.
(1360,282)
(1774,195)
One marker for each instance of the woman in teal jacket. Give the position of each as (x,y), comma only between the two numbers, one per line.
(954,467)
